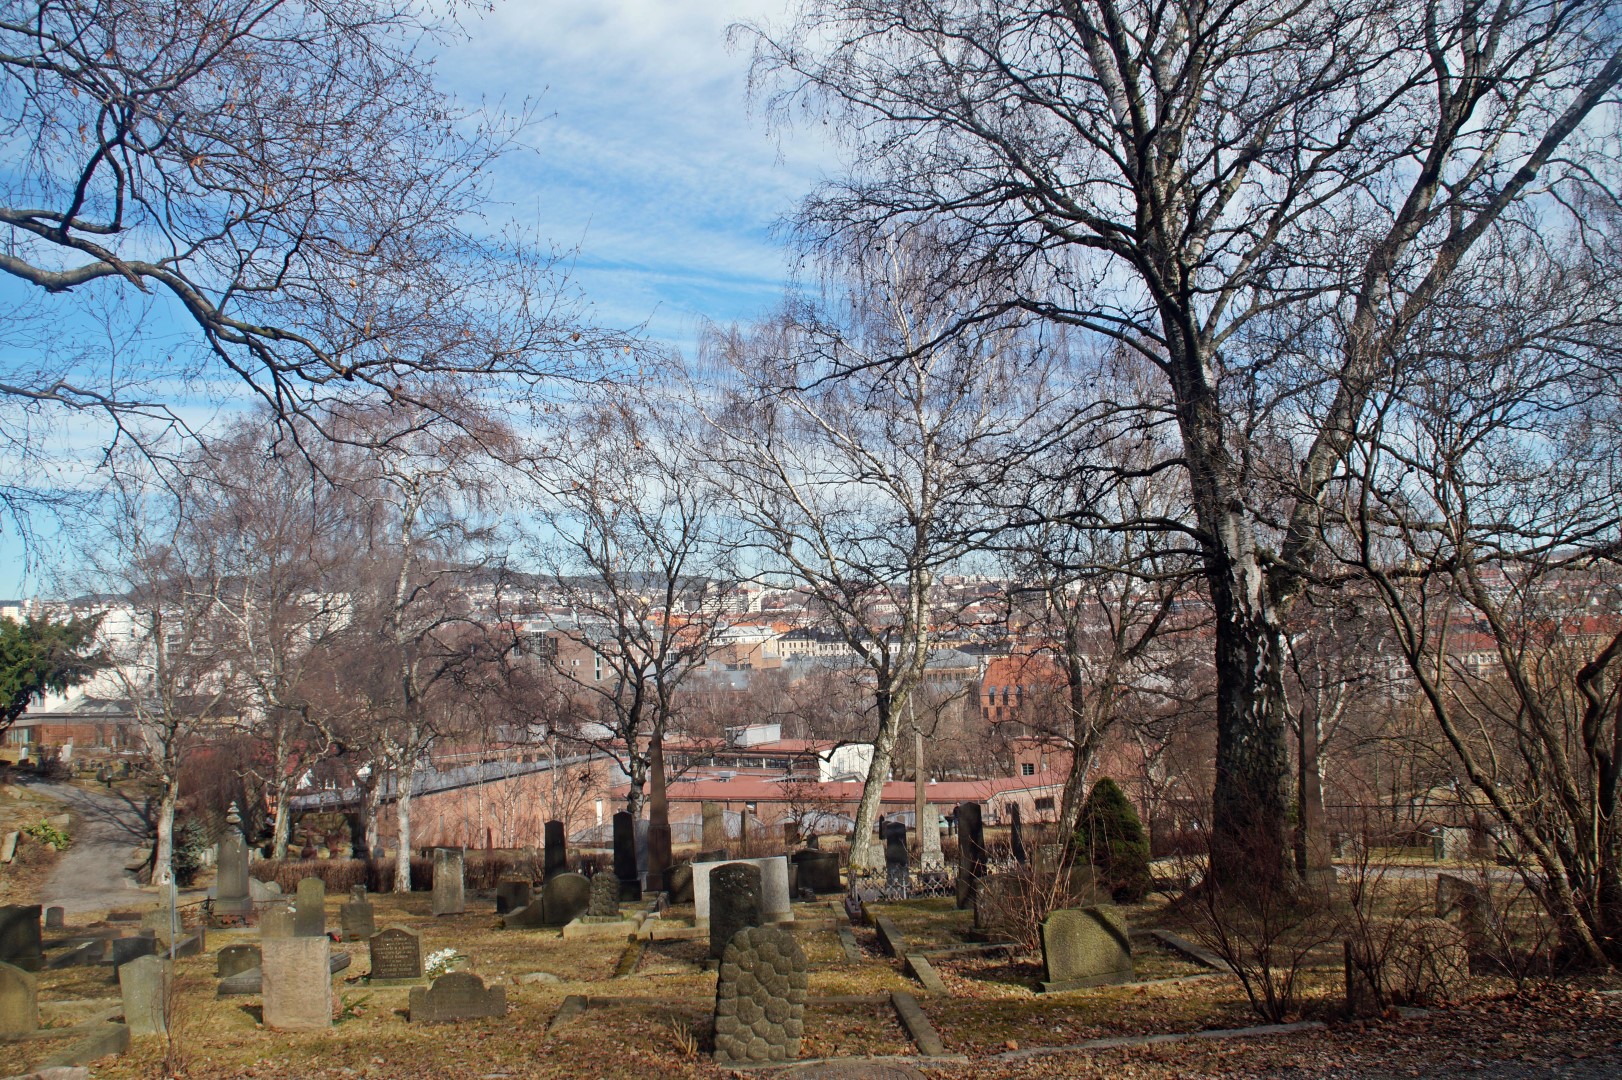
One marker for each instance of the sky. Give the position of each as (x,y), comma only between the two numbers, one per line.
(647,163)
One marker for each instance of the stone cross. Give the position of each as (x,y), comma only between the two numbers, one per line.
(144,985)
(449,876)
(760,998)
(310,908)
(557,851)
(296,983)
(734,902)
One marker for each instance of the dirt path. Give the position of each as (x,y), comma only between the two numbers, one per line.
(91,875)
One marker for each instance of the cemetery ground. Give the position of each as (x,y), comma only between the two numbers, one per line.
(648,1005)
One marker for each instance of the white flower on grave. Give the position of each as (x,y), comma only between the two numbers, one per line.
(442,962)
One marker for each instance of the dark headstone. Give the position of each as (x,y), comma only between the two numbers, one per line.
(1085,947)
(734,902)
(55,918)
(630,882)
(1016,842)
(457,996)
(659,858)
(310,909)
(605,897)
(759,997)
(512,894)
(679,883)
(896,859)
(396,954)
(450,876)
(819,870)
(564,899)
(122,950)
(971,851)
(21,939)
(557,851)
(235,959)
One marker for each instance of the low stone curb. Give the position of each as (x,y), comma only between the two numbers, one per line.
(921,969)
(1126,1041)
(1196,953)
(630,957)
(571,1009)
(890,939)
(924,1035)
(99,1041)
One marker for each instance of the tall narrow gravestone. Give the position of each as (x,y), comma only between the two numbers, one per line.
(1016,838)
(714,834)
(231,882)
(760,998)
(1085,947)
(557,851)
(630,881)
(143,983)
(396,955)
(971,852)
(19,1002)
(296,984)
(930,859)
(449,869)
(896,859)
(734,903)
(357,918)
(310,908)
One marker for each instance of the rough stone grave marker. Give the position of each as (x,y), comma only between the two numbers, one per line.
(21,941)
(144,984)
(449,878)
(557,851)
(357,918)
(457,996)
(235,959)
(396,955)
(604,901)
(310,908)
(1085,947)
(19,1002)
(734,903)
(760,998)
(713,831)
(296,984)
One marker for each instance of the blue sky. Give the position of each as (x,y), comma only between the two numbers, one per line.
(647,160)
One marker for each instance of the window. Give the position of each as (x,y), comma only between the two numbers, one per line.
(1044,804)
(1027,768)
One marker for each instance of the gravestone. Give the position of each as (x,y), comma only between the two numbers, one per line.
(1016,840)
(121,951)
(714,831)
(1463,902)
(310,908)
(235,959)
(512,894)
(565,898)
(679,883)
(457,996)
(896,858)
(716,855)
(357,918)
(144,983)
(260,892)
(819,870)
(21,941)
(734,902)
(557,851)
(396,955)
(296,984)
(775,900)
(604,901)
(746,829)
(1085,890)
(760,998)
(55,918)
(19,1002)
(930,859)
(277,921)
(1455,843)
(997,899)
(971,852)
(159,923)
(231,888)
(659,858)
(449,877)
(630,883)
(1085,947)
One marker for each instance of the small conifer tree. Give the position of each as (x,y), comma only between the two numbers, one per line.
(1110,835)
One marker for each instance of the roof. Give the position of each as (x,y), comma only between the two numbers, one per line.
(771,789)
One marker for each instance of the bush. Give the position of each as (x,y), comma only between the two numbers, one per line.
(1110,835)
(191,847)
(46,833)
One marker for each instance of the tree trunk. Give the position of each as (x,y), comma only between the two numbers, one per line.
(864,853)
(920,781)
(402,820)
(1314,857)
(370,793)
(163,854)
(282,823)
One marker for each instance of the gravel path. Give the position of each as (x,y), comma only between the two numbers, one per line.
(91,875)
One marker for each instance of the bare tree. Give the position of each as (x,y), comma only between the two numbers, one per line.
(1256,197)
